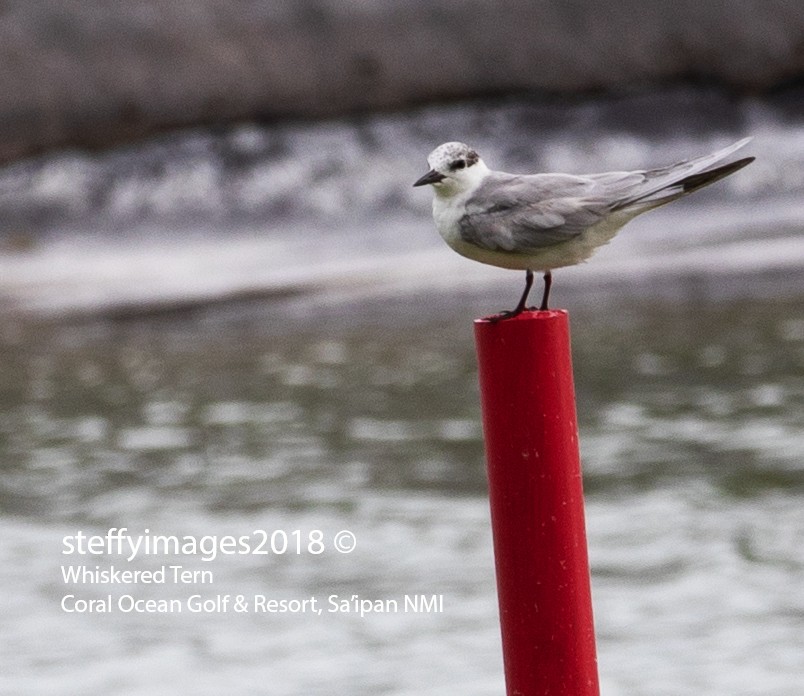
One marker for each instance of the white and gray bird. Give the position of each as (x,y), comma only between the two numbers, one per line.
(539,222)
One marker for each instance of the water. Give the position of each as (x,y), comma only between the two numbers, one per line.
(201,344)
(219,424)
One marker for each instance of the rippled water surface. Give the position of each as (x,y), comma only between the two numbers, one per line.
(366,418)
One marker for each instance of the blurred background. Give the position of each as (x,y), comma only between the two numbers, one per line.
(224,307)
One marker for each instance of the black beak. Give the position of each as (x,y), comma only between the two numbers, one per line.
(432,177)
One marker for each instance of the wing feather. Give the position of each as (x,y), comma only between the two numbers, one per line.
(522,213)
(509,212)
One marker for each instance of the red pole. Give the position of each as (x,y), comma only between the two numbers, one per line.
(536,497)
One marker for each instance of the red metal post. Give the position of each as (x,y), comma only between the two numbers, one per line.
(537,510)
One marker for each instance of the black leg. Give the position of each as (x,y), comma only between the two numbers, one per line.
(522,300)
(548,281)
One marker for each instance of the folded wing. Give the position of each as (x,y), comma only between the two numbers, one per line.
(527,213)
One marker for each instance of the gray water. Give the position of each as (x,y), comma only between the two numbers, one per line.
(191,349)
(691,422)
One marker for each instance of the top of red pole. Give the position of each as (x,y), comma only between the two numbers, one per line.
(527,315)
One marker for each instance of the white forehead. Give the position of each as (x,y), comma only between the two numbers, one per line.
(443,155)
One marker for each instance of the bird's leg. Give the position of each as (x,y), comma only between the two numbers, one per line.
(522,300)
(548,281)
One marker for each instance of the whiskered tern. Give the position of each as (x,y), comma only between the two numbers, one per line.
(539,222)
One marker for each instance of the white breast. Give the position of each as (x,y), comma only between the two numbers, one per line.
(447,213)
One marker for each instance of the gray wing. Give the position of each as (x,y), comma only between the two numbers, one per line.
(524,213)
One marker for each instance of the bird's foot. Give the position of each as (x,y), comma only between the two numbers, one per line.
(510,314)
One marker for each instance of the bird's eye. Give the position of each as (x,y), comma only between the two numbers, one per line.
(458,164)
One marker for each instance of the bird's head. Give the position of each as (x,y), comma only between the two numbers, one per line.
(454,168)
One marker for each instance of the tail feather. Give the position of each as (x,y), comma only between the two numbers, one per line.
(669,183)
(684,186)
(696,181)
